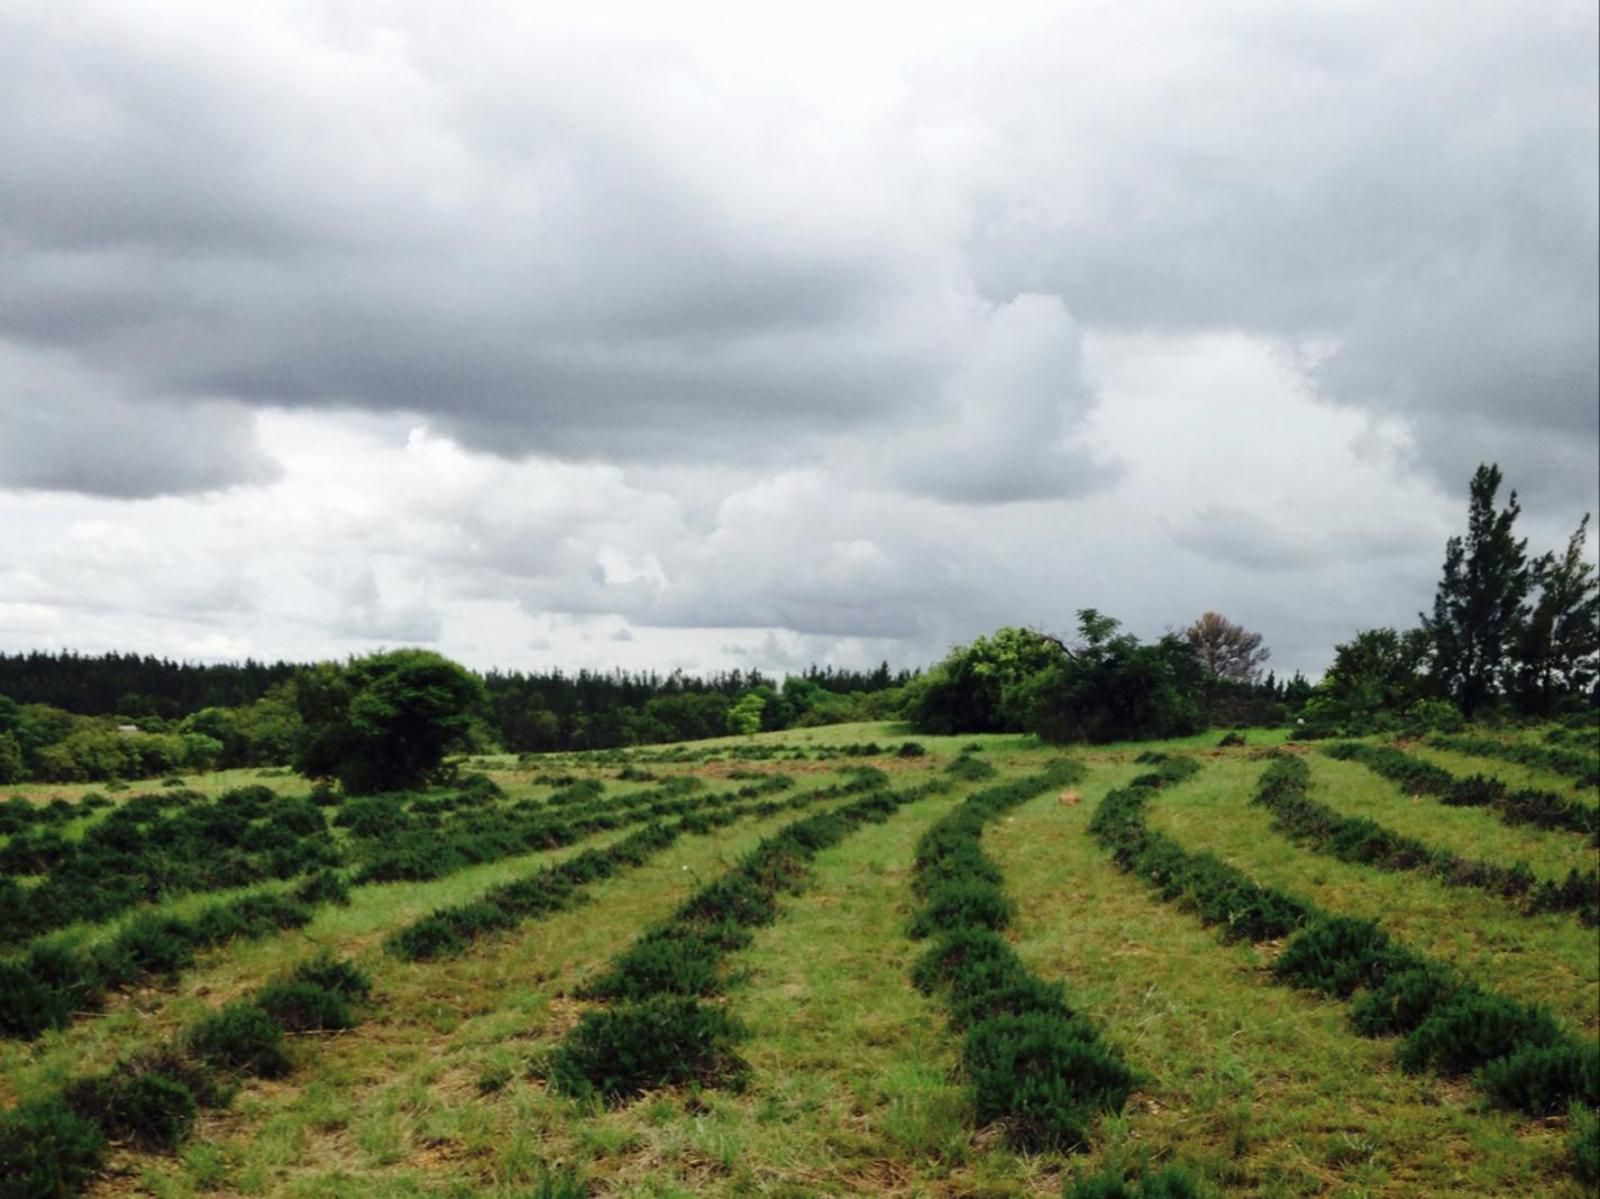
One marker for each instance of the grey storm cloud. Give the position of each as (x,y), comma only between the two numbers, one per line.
(864,325)
(595,245)
(1415,188)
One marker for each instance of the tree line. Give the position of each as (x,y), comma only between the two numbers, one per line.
(1509,633)
(62,728)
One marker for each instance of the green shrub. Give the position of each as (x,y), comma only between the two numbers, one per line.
(249,916)
(1544,1079)
(959,903)
(669,961)
(1045,1076)
(621,1052)
(46,1149)
(1475,1027)
(325,886)
(1338,954)
(242,1036)
(152,1110)
(1174,1182)
(150,944)
(970,770)
(1002,987)
(1403,1001)
(735,899)
(301,1006)
(29,1006)
(209,1088)
(1584,1143)
(956,951)
(426,939)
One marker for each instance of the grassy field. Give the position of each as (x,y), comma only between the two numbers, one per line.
(855,1081)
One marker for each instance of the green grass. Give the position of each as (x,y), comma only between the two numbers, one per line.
(1473,832)
(1543,959)
(1267,1089)
(1515,774)
(854,1084)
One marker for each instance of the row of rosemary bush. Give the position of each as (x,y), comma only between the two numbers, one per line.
(407,848)
(1366,842)
(51,1146)
(140,851)
(1033,1063)
(49,985)
(1516,1053)
(1527,805)
(657,1028)
(450,931)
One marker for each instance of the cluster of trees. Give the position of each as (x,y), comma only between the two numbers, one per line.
(50,744)
(1105,686)
(1509,633)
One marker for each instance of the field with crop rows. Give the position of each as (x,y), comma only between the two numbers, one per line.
(829,961)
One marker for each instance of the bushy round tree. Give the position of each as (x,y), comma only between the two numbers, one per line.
(383,722)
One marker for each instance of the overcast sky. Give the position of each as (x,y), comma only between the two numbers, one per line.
(700,336)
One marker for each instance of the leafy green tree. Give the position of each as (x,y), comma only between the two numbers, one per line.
(12,767)
(744,717)
(1375,676)
(689,715)
(1481,602)
(383,722)
(1112,688)
(1559,647)
(977,688)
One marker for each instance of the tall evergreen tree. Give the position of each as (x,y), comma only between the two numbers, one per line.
(1482,600)
(1559,649)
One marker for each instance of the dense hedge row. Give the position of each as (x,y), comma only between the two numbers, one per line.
(1582,768)
(449,931)
(1545,809)
(657,1030)
(50,1147)
(1521,1057)
(138,853)
(1033,1063)
(1363,841)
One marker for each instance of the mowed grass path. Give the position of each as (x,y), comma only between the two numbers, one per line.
(1477,833)
(1547,959)
(1265,1088)
(1515,774)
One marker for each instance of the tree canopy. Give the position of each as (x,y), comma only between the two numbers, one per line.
(383,722)
(1482,598)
